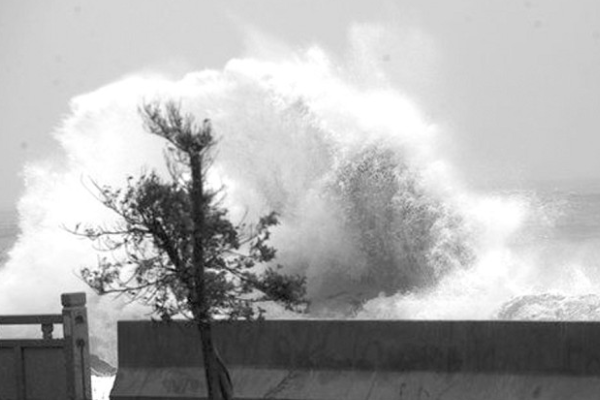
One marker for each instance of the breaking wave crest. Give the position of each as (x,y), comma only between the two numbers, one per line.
(371,211)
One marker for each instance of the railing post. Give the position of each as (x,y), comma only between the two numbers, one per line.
(47,330)
(77,352)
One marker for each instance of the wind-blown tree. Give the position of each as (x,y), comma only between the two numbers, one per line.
(174,248)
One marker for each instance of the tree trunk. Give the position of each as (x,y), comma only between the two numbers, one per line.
(217,390)
(217,379)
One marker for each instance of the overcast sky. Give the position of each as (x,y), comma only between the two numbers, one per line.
(516,84)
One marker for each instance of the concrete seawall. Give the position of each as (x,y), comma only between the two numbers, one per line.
(366,360)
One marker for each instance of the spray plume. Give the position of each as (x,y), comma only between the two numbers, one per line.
(371,212)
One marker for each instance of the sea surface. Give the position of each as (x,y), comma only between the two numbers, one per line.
(567,214)
(564,226)
(575,207)
(9,231)
(565,218)
(564,221)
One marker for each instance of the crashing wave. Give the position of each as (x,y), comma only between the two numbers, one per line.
(552,307)
(404,237)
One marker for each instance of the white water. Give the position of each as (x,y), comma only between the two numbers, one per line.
(372,212)
(101,387)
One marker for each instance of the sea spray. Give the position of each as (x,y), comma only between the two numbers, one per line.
(401,237)
(371,211)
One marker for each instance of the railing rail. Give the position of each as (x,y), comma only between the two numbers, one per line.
(31,319)
(47,322)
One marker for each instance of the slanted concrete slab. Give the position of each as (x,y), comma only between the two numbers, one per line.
(366,360)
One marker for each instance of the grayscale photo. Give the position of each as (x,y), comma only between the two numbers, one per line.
(300,199)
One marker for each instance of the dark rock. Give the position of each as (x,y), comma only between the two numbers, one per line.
(100,367)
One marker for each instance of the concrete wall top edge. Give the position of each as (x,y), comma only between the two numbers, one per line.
(496,346)
(383,321)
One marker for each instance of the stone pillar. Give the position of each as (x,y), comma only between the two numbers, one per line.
(77,351)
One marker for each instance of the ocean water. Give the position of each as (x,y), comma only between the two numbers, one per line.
(373,213)
(576,208)
(567,227)
(565,239)
(565,216)
(101,387)
(9,230)
(563,231)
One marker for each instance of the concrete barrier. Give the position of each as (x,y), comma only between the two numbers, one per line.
(446,360)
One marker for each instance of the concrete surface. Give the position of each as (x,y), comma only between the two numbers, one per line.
(366,360)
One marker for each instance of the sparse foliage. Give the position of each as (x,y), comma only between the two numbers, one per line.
(174,247)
